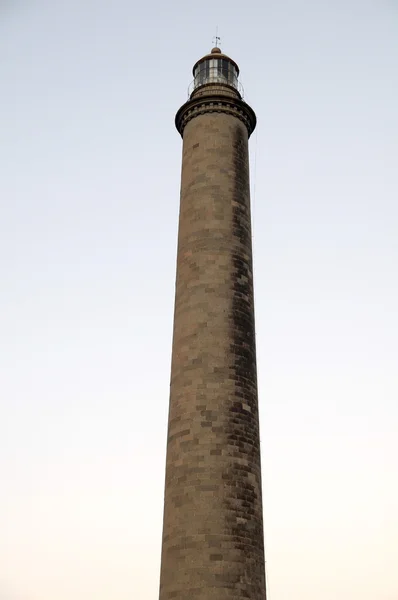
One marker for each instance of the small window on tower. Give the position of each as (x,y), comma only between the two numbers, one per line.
(201,74)
(224,67)
(233,76)
(207,70)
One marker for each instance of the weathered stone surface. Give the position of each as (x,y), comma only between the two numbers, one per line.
(213,529)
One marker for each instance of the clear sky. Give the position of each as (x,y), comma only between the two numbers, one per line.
(89,191)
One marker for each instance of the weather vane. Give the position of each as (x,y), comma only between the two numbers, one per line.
(216,39)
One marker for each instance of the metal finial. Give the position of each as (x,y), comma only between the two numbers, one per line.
(216,39)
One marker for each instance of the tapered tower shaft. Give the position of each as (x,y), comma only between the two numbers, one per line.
(213,529)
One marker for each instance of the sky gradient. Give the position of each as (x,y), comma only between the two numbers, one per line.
(90,167)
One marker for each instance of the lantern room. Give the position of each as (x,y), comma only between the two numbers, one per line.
(216,68)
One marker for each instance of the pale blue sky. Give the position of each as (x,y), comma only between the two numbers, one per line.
(89,190)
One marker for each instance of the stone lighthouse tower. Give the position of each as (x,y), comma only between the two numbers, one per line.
(212,545)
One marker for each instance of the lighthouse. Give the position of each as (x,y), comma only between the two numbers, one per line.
(212,545)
